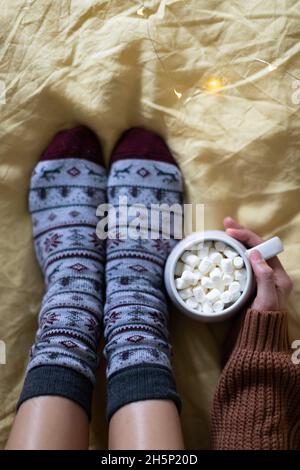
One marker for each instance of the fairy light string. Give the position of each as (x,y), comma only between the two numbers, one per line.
(211,85)
(142,12)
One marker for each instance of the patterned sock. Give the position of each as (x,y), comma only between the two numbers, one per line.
(66,188)
(135,314)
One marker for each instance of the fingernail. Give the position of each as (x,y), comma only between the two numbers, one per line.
(230,230)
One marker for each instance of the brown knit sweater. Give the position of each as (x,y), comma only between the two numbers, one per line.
(257,401)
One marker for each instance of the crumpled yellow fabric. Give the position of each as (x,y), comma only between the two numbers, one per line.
(114,64)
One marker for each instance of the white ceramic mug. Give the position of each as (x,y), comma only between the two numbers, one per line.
(267,249)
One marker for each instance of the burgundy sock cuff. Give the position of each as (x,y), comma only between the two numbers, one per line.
(139,143)
(78,142)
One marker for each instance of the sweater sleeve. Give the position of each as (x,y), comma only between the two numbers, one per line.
(257,401)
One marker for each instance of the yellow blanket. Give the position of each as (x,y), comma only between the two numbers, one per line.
(218,79)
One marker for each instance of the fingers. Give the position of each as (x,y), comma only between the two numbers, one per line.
(249,238)
(266,297)
(284,289)
(281,279)
(229,222)
(245,235)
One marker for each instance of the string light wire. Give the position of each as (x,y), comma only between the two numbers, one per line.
(214,84)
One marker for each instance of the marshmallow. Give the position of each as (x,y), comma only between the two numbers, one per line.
(220,285)
(197,275)
(240,274)
(235,296)
(186,293)
(227,279)
(187,276)
(207,283)
(203,252)
(226,297)
(192,303)
(213,295)
(215,257)
(226,265)
(216,275)
(190,259)
(238,262)
(199,293)
(207,308)
(205,265)
(243,283)
(180,283)
(196,246)
(234,287)
(178,268)
(190,278)
(229,253)
(220,246)
(185,255)
(196,278)
(218,306)
(186,267)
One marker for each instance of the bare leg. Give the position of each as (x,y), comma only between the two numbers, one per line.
(49,423)
(150,424)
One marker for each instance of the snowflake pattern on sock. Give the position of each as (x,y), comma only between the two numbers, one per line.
(135,312)
(63,199)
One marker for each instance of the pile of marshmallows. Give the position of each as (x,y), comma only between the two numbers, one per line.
(210,277)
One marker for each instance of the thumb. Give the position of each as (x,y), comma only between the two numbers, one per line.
(266,297)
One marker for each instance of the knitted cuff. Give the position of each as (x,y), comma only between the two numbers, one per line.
(144,382)
(58,381)
(264,331)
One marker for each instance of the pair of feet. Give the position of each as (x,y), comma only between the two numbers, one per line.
(91,285)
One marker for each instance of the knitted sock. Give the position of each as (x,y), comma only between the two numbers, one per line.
(66,188)
(135,314)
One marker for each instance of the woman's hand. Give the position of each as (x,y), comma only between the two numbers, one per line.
(273,284)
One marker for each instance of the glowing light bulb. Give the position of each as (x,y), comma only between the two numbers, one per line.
(213,84)
(140,11)
(177,93)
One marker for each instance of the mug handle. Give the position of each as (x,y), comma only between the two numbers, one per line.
(268,249)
